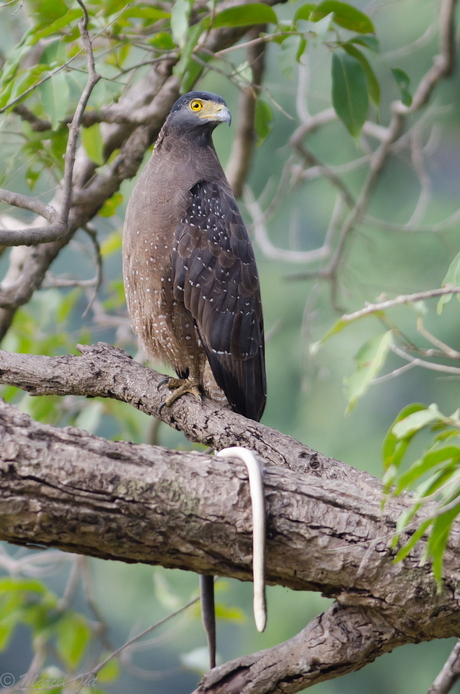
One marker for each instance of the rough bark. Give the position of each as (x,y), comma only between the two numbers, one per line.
(105,371)
(68,489)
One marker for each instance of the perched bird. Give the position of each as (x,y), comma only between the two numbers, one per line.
(190,276)
(191,281)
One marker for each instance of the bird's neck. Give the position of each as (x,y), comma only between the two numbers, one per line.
(177,137)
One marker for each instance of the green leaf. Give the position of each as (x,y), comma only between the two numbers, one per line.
(291,50)
(54,53)
(186,61)
(93,143)
(194,70)
(110,206)
(27,584)
(229,613)
(263,119)
(25,80)
(54,94)
(163,41)
(336,328)
(32,177)
(404,551)
(349,92)
(425,463)
(345,15)
(243,74)
(179,21)
(452,278)
(6,631)
(57,25)
(416,421)
(152,14)
(373,86)
(304,11)
(245,15)
(323,27)
(370,42)
(49,10)
(402,80)
(164,591)
(73,635)
(59,139)
(67,304)
(438,539)
(370,360)
(110,671)
(5,94)
(391,443)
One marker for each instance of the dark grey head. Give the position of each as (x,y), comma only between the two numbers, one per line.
(196,111)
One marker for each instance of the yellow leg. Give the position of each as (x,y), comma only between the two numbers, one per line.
(181,386)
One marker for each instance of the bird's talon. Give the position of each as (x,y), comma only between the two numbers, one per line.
(162,382)
(180,387)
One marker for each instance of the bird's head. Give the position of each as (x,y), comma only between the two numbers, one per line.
(197,111)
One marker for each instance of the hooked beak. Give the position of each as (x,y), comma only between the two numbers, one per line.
(219,113)
(224,115)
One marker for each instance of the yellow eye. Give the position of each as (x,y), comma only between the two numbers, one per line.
(196,105)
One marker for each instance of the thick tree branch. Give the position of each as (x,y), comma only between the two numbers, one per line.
(340,641)
(319,499)
(68,489)
(104,371)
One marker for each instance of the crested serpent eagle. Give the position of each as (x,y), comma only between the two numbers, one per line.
(191,281)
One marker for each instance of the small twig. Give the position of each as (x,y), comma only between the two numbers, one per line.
(252,42)
(268,248)
(324,169)
(412,47)
(399,301)
(61,282)
(71,586)
(425,183)
(449,673)
(92,233)
(128,643)
(429,229)
(26,203)
(393,374)
(415,361)
(311,160)
(446,349)
(91,602)
(58,227)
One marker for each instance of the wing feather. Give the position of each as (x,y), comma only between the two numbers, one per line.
(215,275)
